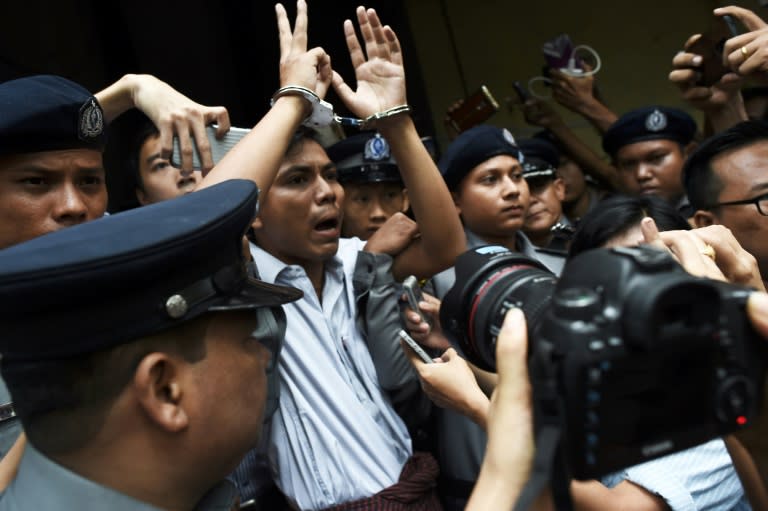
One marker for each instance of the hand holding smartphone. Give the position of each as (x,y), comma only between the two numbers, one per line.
(710,47)
(474,110)
(414,295)
(411,342)
(219,147)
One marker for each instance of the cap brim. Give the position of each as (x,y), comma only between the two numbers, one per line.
(257,293)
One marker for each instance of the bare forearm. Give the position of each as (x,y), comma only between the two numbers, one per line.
(442,236)
(599,115)
(729,115)
(117,98)
(258,155)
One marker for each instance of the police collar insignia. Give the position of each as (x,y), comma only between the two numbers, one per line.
(656,121)
(91,120)
(376,149)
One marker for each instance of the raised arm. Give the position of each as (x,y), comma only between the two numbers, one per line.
(381,88)
(172,113)
(539,113)
(258,155)
(577,93)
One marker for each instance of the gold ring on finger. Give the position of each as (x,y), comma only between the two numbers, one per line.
(708,251)
(744,51)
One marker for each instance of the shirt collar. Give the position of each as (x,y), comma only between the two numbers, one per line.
(270,267)
(42,483)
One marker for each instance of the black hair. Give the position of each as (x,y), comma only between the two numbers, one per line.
(121,159)
(616,214)
(702,185)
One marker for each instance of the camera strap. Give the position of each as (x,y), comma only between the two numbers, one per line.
(548,466)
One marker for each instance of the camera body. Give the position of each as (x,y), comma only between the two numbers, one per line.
(632,355)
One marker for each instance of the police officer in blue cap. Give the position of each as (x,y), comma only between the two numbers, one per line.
(138,348)
(484,170)
(52,135)
(649,147)
(373,188)
(545,224)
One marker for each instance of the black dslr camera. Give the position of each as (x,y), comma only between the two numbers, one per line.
(634,356)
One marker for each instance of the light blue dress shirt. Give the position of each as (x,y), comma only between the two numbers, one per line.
(335,437)
(701,478)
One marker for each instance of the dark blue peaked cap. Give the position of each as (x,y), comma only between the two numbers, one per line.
(473,147)
(49,113)
(364,158)
(649,123)
(106,282)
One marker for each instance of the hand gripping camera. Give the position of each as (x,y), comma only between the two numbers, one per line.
(633,356)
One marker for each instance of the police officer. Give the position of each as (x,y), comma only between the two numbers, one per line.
(545,224)
(373,188)
(139,362)
(649,147)
(52,135)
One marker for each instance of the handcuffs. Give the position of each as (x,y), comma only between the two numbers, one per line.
(322,111)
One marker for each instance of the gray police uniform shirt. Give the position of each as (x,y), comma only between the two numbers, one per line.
(461,442)
(42,484)
(377,294)
(10,427)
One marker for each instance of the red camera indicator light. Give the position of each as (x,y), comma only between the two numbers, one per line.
(741,420)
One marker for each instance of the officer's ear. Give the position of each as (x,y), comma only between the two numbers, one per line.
(456,201)
(406,201)
(159,387)
(141,196)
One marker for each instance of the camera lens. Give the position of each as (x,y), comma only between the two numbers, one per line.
(489,281)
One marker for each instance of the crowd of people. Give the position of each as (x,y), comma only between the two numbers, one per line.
(228,336)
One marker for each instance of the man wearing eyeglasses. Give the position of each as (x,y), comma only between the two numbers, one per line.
(726,180)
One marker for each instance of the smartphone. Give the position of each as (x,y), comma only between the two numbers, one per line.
(414,295)
(219,147)
(710,47)
(474,110)
(410,341)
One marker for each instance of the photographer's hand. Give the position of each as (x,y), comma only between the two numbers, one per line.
(689,249)
(738,265)
(747,54)
(757,310)
(421,331)
(721,102)
(539,113)
(577,93)
(510,449)
(450,383)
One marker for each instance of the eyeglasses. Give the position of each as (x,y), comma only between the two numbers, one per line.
(761,202)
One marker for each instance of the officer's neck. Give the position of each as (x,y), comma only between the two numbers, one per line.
(144,476)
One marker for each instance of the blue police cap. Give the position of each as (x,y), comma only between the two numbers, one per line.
(364,158)
(542,158)
(649,123)
(49,113)
(107,282)
(473,147)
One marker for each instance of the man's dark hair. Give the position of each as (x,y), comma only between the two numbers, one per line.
(702,185)
(615,215)
(127,134)
(62,404)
